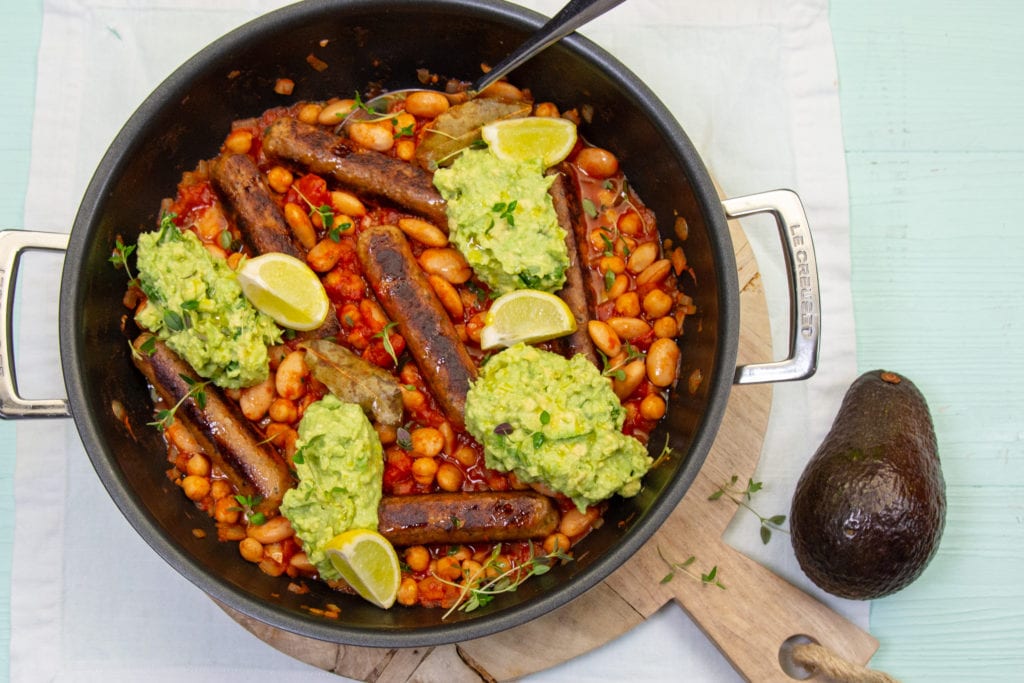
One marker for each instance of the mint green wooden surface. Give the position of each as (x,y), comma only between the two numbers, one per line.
(932,98)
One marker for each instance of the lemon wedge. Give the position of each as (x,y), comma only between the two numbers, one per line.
(286,289)
(528,316)
(534,137)
(368,563)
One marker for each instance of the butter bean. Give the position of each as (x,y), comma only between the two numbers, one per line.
(662,362)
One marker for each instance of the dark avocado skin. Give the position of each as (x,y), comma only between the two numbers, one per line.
(870,506)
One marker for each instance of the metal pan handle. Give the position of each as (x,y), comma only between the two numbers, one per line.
(804,299)
(12,244)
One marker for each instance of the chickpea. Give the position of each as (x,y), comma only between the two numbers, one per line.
(239,141)
(427,441)
(449,568)
(334,111)
(449,477)
(417,557)
(405,149)
(251,549)
(196,488)
(630,223)
(215,250)
(652,407)
(279,179)
(284,411)
(403,124)
(226,510)
(662,362)
(628,304)
(198,466)
(309,113)
(427,105)
(413,399)
(377,137)
(423,470)
(666,328)
(657,303)
(614,264)
(326,254)
(466,456)
(548,109)
(220,488)
(472,571)
(408,592)
(387,434)
(597,162)
(557,541)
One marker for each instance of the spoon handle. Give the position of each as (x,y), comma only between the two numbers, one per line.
(571,17)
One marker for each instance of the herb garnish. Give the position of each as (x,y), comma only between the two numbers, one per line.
(741,496)
(248,503)
(385,339)
(120,255)
(475,594)
(708,577)
(589,208)
(506,211)
(165,417)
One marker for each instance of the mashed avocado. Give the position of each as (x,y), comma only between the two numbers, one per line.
(555,421)
(501,218)
(196,306)
(340,464)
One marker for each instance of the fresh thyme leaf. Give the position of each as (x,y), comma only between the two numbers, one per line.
(335,232)
(589,208)
(708,578)
(545,417)
(403,439)
(259,519)
(385,338)
(149,346)
(538,440)
(164,418)
(609,280)
(740,497)
(504,429)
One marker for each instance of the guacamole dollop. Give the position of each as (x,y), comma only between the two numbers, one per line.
(501,218)
(340,465)
(195,305)
(555,421)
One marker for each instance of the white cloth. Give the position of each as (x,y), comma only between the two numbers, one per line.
(753,82)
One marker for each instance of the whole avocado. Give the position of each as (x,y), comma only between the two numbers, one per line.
(870,506)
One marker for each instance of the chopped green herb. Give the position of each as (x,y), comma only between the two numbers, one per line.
(385,338)
(589,208)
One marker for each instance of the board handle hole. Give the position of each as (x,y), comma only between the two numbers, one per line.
(786,661)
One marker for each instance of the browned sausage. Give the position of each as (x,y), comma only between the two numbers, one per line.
(260,221)
(577,292)
(360,169)
(220,428)
(405,293)
(477,517)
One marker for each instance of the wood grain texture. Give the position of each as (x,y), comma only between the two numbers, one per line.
(932,102)
(749,620)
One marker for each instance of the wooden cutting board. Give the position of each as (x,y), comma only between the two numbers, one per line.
(748,622)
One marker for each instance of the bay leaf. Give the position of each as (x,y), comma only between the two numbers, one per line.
(459,127)
(354,380)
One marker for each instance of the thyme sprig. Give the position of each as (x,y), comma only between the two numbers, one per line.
(248,504)
(196,391)
(615,370)
(473,594)
(742,496)
(120,255)
(385,338)
(710,577)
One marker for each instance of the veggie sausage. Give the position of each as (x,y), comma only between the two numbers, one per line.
(476,517)
(241,185)
(361,169)
(576,292)
(405,293)
(221,430)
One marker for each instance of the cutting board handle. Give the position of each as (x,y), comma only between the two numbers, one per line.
(750,613)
